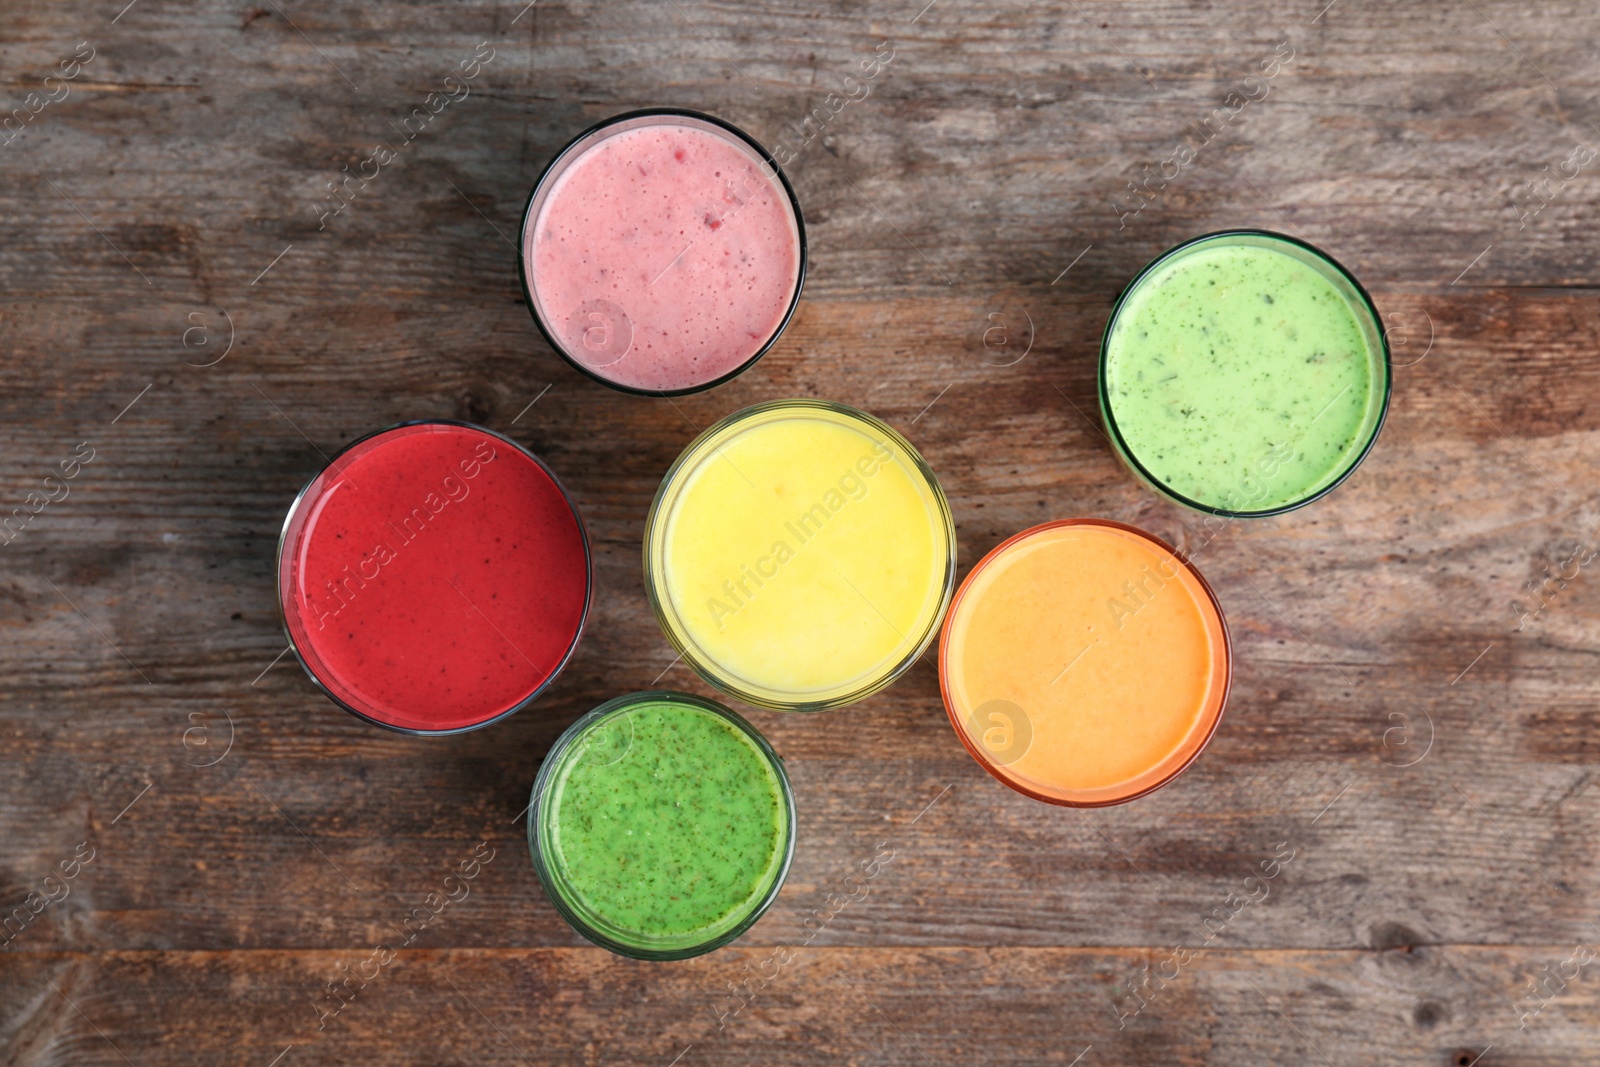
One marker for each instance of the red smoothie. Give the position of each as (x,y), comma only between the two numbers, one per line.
(662,253)
(434,577)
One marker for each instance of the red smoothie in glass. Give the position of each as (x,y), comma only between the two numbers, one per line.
(434,577)
(662,254)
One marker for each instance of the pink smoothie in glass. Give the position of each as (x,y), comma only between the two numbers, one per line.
(662,256)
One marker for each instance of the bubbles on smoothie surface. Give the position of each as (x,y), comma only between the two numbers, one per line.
(667,220)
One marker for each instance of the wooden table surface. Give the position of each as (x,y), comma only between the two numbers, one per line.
(1408,721)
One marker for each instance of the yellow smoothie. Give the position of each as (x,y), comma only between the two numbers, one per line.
(800,555)
(1084,663)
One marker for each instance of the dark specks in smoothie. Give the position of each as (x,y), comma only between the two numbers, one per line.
(668,821)
(1198,374)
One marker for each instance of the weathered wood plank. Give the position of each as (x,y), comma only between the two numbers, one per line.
(1390,1003)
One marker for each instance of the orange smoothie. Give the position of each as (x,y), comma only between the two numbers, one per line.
(1084,663)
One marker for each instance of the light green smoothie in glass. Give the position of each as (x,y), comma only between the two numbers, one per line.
(1244,373)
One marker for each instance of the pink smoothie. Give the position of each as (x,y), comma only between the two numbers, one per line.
(662,257)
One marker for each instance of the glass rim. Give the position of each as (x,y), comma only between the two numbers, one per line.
(555,672)
(1224,658)
(566,150)
(706,668)
(1120,444)
(537,808)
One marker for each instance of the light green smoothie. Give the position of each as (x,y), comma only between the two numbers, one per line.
(1240,377)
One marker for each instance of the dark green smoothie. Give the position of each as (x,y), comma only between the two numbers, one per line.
(663,825)
(1244,373)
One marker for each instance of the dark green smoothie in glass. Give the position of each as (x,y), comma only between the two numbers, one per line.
(662,825)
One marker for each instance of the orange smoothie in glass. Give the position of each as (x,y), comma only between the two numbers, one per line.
(1084,663)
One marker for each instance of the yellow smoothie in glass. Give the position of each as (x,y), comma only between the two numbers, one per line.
(800,554)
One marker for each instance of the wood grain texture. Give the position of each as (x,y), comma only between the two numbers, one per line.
(168,205)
